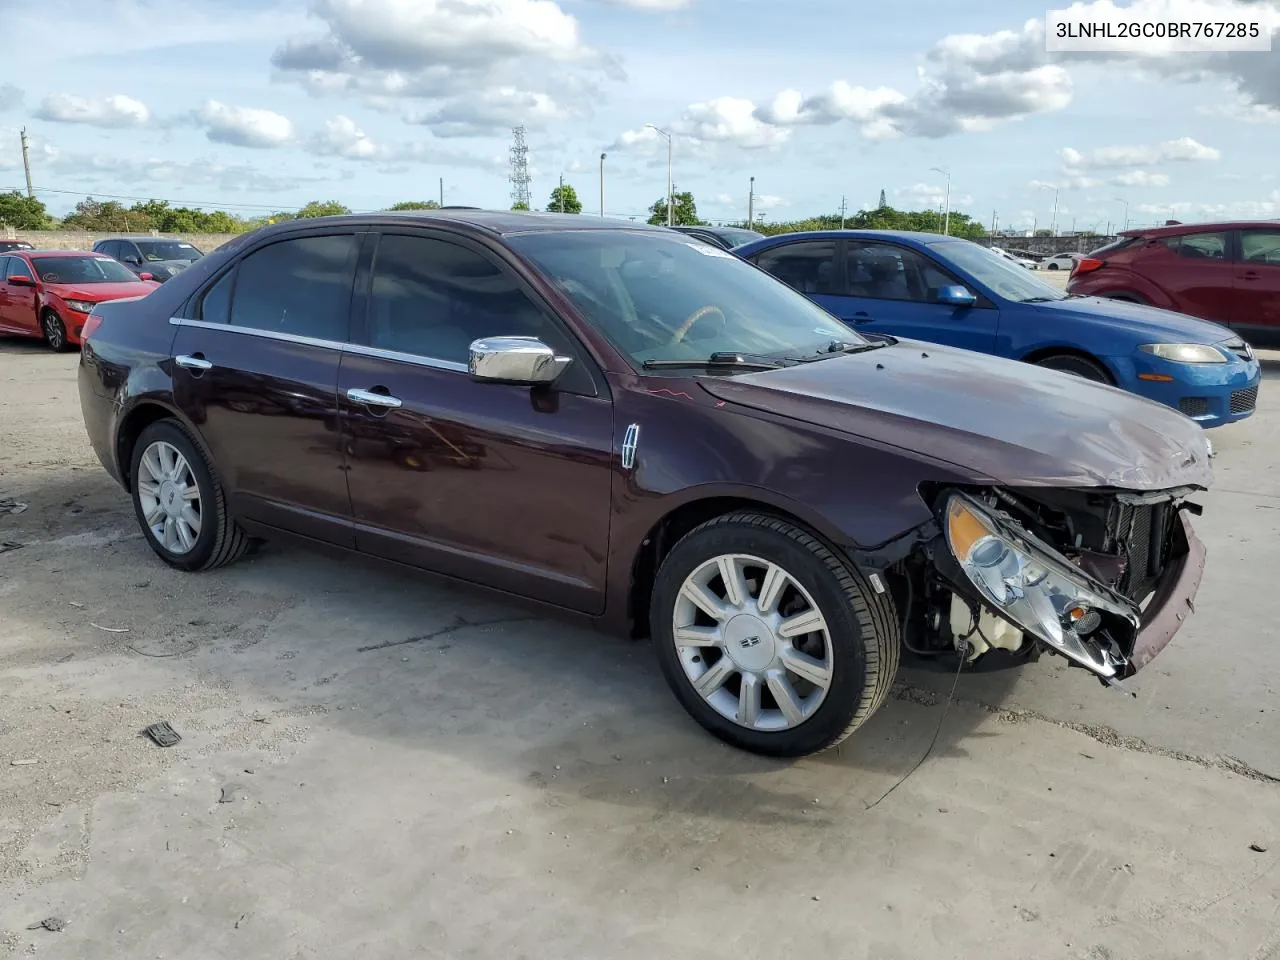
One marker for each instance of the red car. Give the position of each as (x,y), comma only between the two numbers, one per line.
(1225,272)
(49,293)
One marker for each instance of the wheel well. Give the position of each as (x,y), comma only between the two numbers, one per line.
(666,533)
(140,417)
(1046,352)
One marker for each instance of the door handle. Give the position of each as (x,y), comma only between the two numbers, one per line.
(1251,275)
(193,362)
(371,399)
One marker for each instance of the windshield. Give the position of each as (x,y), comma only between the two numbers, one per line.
(86,269)
(168,250)
(738,237)
(673,298)
(1010,280)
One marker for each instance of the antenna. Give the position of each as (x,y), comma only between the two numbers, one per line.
(519,169)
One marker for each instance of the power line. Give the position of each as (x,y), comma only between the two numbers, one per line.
(194,203)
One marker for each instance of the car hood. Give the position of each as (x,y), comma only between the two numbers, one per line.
(1142,321)
(97,292)
(1010,422)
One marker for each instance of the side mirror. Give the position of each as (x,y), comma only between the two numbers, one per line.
(146,276)
(519,360)
(956,296)
(18,280)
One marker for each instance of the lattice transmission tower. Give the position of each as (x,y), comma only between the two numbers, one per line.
(519,170)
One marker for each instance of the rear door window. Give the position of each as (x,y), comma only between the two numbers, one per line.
(1201,246)
(1260,246)
(806,265)
(299,287)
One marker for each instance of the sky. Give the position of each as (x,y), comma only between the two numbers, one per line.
(261,105)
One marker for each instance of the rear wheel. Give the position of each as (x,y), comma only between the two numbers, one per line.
(1077,366)
(55,331)
(1052,266)
(180,503)
(772,642)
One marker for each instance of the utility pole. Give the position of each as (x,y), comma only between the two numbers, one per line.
(670,187)
(26,165)
(602,156)
(946,224)
(844,208)
(442,191)
(1054,225)
(994,220)
(560,194)
(751,205)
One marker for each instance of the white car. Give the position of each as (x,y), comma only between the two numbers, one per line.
(1020,261)
(1063,261)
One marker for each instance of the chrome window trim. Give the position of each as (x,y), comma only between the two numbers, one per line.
(356,348)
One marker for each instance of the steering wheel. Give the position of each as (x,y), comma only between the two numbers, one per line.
(694,317)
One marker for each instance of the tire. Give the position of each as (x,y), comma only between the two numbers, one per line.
(54,330)
(855,652)
(214,540)
(1052,266)
(1077,366)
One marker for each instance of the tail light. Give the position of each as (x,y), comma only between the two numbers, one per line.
(1087,265)
(91,323)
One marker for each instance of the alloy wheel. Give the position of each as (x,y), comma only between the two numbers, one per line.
(753,642)
(53,331)
(169,497)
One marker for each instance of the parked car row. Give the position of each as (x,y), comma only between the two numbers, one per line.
(49,294)
(641,429)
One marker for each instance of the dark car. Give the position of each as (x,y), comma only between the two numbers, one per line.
(724,237)
(1225,272)
(954,291)
(161,257)
(657,437)
(9,246)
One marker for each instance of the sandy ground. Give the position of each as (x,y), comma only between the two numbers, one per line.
(379,766)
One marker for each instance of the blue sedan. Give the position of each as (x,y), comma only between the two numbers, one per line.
(930,287)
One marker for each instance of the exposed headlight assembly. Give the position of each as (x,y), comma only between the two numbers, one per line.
(1031,585)
(1185,352)
(80,306)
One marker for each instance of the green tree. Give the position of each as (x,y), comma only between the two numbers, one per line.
(322,208)
(564,199)
(104,216)
(415,205)
(684,211)
(23,213)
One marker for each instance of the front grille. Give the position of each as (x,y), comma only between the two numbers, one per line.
(1242,401)
(1144,531)
(1195,406)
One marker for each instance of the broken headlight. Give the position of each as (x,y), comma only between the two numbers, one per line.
(1031,585)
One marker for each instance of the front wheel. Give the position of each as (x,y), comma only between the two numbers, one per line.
(772,642)
(55,331)
(1076,366)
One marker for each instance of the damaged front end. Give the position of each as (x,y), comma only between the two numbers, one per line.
(1102,577)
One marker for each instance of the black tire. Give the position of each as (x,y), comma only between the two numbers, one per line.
(54,330)
(1077,366)
(1052,266)
(862,625)
(220,541)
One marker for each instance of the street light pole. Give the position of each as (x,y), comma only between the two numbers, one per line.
(670,188)
(1126,210)
(1054,225)
(602,156)
(946,224)
(751,205)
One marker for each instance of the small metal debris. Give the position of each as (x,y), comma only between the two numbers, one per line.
(815,899)
(241,920)
(77,605)
(1258,847)
(11,506)
(230,793)
(109,629)
(52,924)
(162,734)
(23,763)
(8,545)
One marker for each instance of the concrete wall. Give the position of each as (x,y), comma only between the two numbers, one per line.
(1048,246)
(77,240)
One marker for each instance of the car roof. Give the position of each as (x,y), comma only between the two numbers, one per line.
(911,236)
(55,253)
(137,236)
(1176,229)
(502,223)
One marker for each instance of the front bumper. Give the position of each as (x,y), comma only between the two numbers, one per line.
(1212,394)
(1174,599)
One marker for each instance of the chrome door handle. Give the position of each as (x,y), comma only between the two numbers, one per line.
(193,363)
(371,399)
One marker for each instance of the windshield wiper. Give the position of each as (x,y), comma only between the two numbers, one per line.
(745,361)
(1043,299)
(843,347)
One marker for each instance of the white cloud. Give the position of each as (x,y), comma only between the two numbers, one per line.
(657,5)
(1267,208)
(486,112)
(1184,149)
(1067,183)
(729,120)
(343,138)
(840,101)
(113,111)
(1140,178)
(11,97)
(244,126)
(930,195)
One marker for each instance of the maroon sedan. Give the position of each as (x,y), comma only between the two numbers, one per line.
(636,428)
(1225,272)
(49,294)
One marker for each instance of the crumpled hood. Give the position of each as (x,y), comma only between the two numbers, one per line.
(1148,324)
(98,292)
(1011,422)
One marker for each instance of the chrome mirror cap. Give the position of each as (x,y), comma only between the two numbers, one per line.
(522,360)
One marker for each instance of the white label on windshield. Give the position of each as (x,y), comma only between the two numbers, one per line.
(185,246)
(709,251)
